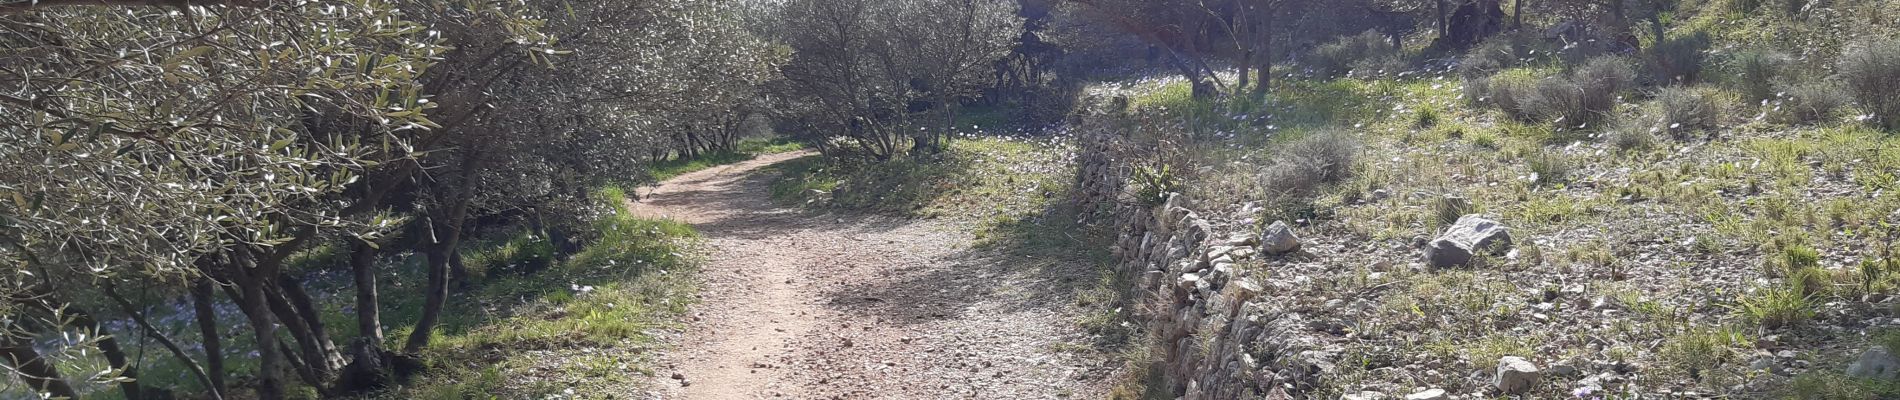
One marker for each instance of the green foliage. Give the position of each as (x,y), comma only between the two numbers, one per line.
(1699,350)
(1426,118)
(634,277)
(1153,184)
(1872,73)
(1551,167)
(521,252)
(774,145)
(1776,307)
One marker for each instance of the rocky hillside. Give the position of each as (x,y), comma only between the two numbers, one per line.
(1709,216)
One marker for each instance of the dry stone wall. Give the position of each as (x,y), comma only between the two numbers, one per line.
(1213,339)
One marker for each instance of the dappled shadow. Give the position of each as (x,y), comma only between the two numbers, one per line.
(1040,264)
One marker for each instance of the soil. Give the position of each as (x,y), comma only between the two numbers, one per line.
(803,305)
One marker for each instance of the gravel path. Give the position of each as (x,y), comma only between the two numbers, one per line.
(821,306)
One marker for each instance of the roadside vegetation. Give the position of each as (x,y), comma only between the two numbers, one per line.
(1707,216)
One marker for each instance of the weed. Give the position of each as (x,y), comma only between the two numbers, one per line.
(1426,118)
(1549,167)
(1628,134)
(1700,350)
(1775,307)
(1153,184)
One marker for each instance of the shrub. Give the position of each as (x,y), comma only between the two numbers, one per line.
(1477,90)
(1872,73)
(1631,134)
(1508,92)
(1302,167)
(1680,58)
(1550,167)
(1756,72)
(1556,100)
(1809,102)
(1499,52)
(1607,74)
(1340,56)
(1154,184)
(1586,96)
(1686,110)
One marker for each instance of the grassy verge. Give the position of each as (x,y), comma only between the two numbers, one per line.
(582,327)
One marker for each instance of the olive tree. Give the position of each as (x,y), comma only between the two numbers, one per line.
(872,66)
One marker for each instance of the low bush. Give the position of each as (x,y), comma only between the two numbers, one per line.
(1631,134)
(1810,102)
(1680,59)
(1685,110)
(1607,74)
(1586,96)
(1755,73)
(1551,167)
(1305,165)
(1872,73)
(1508,91)
(1154,184)
(1343,55)
(1498,53)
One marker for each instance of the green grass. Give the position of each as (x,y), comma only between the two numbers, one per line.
(978,178)
(607,300)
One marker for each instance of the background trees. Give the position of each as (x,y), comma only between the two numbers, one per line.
(873,66)
(196,148)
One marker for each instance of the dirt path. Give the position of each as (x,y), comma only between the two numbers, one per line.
(804,306)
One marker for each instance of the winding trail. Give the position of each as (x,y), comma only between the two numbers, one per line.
(823,306)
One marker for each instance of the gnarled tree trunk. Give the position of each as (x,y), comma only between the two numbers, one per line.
(211,339)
